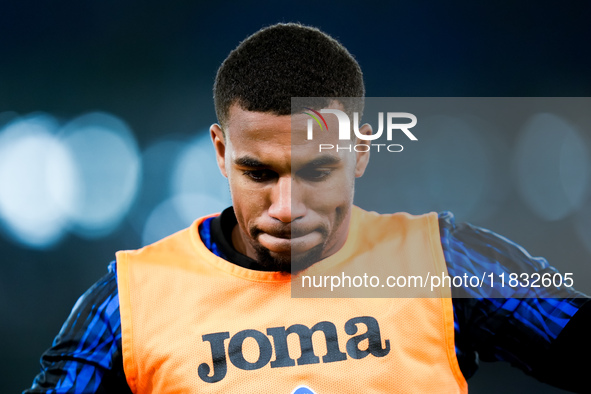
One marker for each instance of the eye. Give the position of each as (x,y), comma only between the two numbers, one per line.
(260,175)
(315,174)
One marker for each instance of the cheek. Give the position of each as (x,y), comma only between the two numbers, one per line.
(326,197)
(248,199)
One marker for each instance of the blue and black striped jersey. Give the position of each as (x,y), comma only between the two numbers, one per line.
(86,354)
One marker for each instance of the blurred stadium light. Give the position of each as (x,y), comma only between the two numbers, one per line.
(196,186)
(196,170)
(107,169)
(36,180)
(551,164)
(82,178)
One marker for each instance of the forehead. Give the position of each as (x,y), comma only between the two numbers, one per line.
(276,138)
(244,126)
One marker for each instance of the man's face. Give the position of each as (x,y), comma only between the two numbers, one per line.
(292,202)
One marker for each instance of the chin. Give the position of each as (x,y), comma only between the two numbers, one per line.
(287,263)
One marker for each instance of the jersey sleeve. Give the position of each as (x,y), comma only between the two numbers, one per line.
(521,331)
(85,357)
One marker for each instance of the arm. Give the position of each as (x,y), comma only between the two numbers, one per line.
(543,336)
(86,354)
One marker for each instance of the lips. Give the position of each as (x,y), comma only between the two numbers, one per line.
(285,243)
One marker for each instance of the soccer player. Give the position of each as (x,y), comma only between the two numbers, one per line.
(209,309)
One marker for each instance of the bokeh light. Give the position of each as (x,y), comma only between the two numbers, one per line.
(455,168)
(196,174)
(108,172)
(196,169)
(452,167)
(582,223)
(36,180)
(166,218)
(157,166)
(197,187)
(551,164)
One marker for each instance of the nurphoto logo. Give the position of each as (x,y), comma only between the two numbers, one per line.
(345,130)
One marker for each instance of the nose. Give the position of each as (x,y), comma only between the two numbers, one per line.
(286,206)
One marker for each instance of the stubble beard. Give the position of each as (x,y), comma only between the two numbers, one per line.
(288,263)
(294,264)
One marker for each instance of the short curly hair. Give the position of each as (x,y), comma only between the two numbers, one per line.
(283,61)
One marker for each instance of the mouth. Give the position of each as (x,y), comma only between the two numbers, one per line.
(294,243)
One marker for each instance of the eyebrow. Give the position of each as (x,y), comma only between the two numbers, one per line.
(247,161)
(324,160)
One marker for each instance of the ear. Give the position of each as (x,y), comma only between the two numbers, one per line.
(363,157)
(219,144)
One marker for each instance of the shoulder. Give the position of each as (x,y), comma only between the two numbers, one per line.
(464,242)
(100,300)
